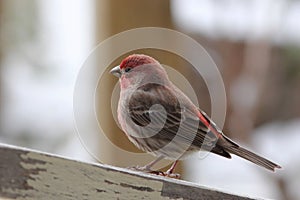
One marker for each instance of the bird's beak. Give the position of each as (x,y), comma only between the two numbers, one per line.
(116,71)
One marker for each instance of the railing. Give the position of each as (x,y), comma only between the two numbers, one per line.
(28,174)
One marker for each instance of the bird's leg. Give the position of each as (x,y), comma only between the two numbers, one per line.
(169,172)
(147,168)
(149,165)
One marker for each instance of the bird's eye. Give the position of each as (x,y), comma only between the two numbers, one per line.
(127,69)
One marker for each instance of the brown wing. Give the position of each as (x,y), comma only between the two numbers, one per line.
(176,118)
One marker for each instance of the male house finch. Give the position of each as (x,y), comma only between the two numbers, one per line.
(160,119)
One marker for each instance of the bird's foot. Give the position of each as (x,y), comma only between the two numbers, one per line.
(166,174)
(156,172)
(171,174)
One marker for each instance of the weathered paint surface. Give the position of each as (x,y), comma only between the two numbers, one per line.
(25,174)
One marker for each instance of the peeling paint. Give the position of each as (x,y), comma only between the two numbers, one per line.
(147,189)
(34,175)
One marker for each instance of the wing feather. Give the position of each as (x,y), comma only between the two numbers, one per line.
(178,120)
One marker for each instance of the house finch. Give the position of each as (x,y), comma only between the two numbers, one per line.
(160,119)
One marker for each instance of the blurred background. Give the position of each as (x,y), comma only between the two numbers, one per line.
(255,44)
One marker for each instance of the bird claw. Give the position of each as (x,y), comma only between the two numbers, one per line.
(165,174)
(171,175)
(156,172)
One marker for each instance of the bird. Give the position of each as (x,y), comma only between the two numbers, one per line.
(158,118)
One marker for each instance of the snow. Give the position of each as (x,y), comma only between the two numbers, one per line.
(38,100)
(240,20)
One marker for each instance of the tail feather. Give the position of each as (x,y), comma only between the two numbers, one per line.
(252,157)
